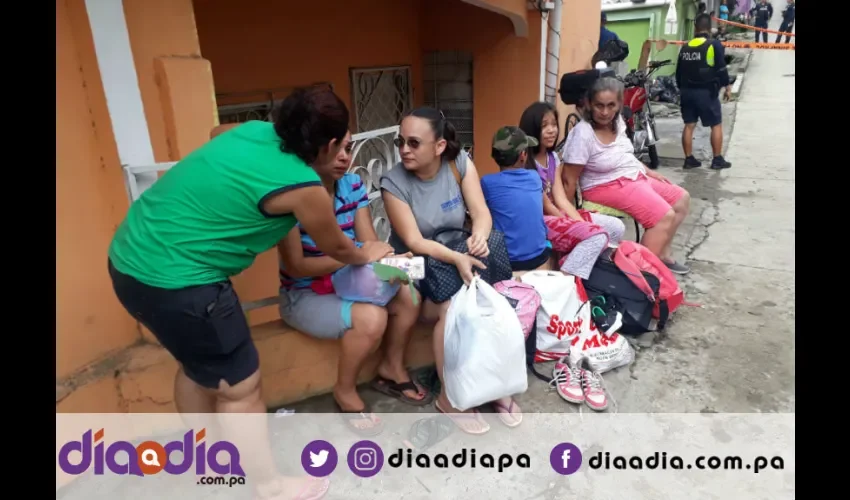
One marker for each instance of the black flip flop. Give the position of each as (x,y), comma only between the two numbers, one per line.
(395,390)
(426,432)
(365,414)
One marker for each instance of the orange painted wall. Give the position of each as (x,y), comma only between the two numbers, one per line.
(506,68)
(268,44)
(90,201)
(274,47)
(261,44)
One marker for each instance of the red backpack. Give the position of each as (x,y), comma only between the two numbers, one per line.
(633,259)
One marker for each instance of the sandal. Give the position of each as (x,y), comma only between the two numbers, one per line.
(506,413)
(395,390)
(426,432)
(350,416)
(458,418)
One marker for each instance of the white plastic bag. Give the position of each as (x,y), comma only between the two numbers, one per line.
(484,348)
(603,352)
(565,326)
(558,320)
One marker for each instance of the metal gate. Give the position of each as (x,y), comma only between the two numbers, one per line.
(448,87)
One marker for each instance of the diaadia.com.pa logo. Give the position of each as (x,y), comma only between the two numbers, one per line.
(191,453)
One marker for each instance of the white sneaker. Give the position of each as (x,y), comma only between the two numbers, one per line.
(567,381)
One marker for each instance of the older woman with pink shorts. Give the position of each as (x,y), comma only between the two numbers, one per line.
(600,157)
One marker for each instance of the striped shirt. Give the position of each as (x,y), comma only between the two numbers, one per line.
(350,197)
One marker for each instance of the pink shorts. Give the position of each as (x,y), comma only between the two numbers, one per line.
(646,199)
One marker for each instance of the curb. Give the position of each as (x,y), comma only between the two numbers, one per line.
(742,70)
(736,87)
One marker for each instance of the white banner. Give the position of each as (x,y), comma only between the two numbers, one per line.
(671,22)
(569,455)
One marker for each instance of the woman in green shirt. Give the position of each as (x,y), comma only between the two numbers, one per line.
(206,220)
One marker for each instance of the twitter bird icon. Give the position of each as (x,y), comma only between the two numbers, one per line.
(319,458)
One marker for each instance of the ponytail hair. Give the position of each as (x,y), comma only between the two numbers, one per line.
(442,128)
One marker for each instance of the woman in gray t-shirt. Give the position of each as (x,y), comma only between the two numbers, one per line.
(421,195)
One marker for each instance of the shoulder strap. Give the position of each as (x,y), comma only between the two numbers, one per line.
(455,171)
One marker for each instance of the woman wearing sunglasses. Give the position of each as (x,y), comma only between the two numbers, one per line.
(422,195)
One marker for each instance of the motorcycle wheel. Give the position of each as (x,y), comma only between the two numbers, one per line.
(653,157)
(652,150)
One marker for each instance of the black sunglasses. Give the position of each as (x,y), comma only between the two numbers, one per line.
(412,142)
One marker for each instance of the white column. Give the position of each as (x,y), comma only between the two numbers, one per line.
(121,86)
(543,40)
(553,52)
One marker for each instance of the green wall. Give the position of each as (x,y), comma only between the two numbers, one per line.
(634,32)
(638,24)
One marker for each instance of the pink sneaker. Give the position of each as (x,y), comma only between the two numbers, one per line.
(567,381)
(594,390)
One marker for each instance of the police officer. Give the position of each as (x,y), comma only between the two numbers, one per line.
(788,16)
(763,11)
(700,74)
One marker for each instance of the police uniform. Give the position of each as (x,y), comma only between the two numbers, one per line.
(700,74)
(762,13)
(788,16)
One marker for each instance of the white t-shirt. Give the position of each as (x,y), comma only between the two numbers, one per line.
(603,163)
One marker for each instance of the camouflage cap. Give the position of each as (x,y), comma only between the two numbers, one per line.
(512,140)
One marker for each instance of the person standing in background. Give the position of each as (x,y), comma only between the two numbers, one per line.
(605,35)
(700,75)
(723,15)
(788,16)
(724,11)
(762,13)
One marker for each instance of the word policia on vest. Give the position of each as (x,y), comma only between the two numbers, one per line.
(756,28)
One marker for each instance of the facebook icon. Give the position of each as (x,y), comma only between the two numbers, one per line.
(565,458)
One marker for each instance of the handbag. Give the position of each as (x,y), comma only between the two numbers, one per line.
(442,280)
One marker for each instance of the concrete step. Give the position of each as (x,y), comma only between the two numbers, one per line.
(294,366)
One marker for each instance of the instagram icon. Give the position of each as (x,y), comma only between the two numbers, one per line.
(365,458)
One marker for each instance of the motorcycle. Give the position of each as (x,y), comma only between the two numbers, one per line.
(640,122)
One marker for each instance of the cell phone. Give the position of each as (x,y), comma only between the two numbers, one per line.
(413,266)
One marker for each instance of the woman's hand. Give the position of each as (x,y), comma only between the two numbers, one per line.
(477,245)
(465,264)
(377,250)
(655,175)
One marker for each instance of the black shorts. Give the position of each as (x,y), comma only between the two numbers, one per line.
(203,327)
(533,263)
(701,104)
